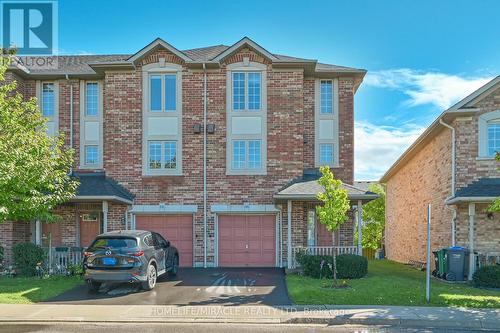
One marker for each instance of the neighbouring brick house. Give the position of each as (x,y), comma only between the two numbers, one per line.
(229,177)
(452,167)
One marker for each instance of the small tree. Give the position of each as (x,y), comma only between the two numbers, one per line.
(374,218)
(335,205)
(495,206)
(34,167)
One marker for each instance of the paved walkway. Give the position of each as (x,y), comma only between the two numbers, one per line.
(334,315)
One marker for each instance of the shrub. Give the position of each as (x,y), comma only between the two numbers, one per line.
(487,276)
(1,253)
(349,266)
(26,256)
(75,269)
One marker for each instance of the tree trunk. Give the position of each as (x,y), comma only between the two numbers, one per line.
(334,262)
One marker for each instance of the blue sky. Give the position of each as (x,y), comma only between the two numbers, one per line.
(421,56)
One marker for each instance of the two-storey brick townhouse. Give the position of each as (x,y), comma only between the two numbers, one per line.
(216,148)
(452,167)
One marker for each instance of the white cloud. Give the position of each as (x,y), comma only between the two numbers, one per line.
(378,147)
(440,89)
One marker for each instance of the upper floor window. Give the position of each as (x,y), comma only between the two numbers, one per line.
(246,92)
(326,154)
(326,122)
(163,93)
(489,134)
(326,97)
(247,154)
(162,155)
(91,155)
(493,138)
(48,99)
(91,99)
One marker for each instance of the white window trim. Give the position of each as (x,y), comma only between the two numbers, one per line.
(55,117)
(318,116)
(161,68)
(483,121)
(246,66)
(83,118)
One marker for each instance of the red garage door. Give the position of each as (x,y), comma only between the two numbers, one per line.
(178,229)
(247,240)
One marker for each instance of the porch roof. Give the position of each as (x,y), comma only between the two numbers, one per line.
(96,186)
(307,186)
(481,190)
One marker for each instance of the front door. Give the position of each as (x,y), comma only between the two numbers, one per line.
(90,227)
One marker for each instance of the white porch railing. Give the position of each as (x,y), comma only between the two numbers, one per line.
(489,258)
(59,258)
(322,251)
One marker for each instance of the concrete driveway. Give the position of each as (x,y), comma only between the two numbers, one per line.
(215,286)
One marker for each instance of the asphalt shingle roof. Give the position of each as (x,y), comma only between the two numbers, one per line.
(97,184)
(307,186)
(483,187)
(79,64)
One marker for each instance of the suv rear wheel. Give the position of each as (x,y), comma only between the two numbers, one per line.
(151,278)
(93,285)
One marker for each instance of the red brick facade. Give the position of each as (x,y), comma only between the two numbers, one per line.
(290,141)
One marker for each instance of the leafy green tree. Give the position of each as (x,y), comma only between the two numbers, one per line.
(34,167)
(495,206)
(335,205)
(374,219)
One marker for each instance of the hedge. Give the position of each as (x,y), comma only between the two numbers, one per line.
(487,276)
(26,256)
(349,266)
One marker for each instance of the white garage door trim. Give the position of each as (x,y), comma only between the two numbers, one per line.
(277,234)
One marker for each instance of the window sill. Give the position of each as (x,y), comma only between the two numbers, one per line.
(485,159)
(246,173)
(162,174)
(331,166)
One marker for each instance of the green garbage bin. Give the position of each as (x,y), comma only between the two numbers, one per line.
(441,263)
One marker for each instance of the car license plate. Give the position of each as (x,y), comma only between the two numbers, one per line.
(109,261)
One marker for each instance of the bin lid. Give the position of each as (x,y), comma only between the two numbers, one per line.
(457,248)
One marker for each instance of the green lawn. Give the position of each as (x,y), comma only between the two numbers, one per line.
(32,290)
(390,283)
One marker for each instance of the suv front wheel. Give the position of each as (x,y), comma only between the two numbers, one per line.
(151,278)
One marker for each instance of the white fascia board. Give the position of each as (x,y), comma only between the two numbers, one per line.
(164,209)
(238,209)
(456,200)
(101,198)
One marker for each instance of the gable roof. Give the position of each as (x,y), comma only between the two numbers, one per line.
(158,42)
(239,44)
(307,187)
(463,107)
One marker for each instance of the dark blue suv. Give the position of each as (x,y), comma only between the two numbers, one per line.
(129,256)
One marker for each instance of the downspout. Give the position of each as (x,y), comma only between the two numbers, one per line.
(204,166)
(70,115)
(453,179)
(452,155)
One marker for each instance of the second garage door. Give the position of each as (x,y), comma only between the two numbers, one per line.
(178,229)
(247,240)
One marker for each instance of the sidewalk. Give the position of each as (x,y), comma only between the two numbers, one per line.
(333,315)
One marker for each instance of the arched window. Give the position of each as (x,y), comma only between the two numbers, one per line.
(489,134)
